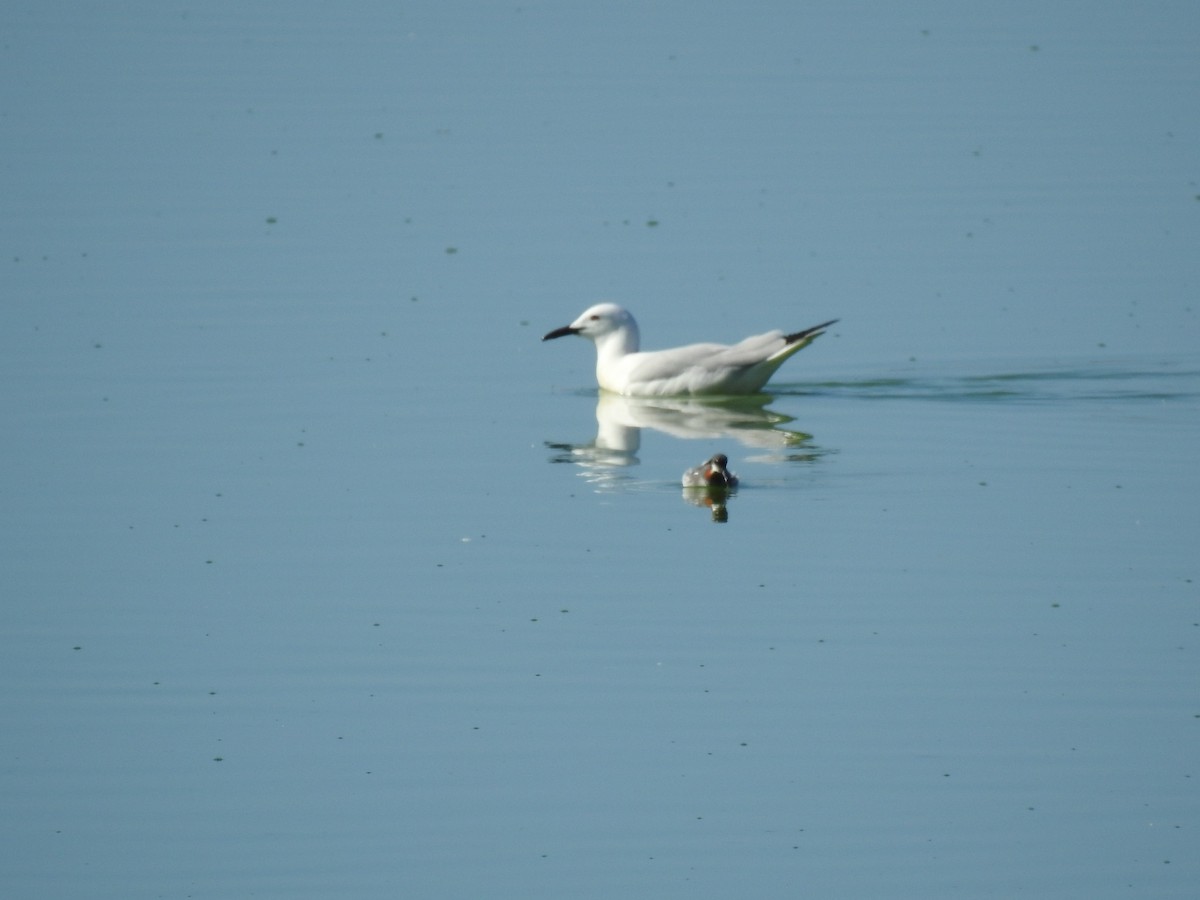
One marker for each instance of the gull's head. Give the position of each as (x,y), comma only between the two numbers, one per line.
(597,322)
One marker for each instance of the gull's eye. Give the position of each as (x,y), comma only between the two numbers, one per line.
(595,318)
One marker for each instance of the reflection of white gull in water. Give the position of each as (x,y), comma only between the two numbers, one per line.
(712,473)
(745,419)
(605,461)
(620,420)
(712,369)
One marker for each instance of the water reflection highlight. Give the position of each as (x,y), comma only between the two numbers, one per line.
(620,421)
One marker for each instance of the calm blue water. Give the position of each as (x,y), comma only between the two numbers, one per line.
(322,576)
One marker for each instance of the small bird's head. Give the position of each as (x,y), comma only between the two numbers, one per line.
(716,472)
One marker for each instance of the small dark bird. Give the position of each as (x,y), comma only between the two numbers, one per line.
(713,473)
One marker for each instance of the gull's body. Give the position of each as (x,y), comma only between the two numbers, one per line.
(713,473)
(712,369)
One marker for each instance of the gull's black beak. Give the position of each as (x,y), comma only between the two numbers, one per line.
(560,332)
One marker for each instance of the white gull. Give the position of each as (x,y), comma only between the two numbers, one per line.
(713,369)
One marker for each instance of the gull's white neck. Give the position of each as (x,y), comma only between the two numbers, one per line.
(611,348)
(619,341)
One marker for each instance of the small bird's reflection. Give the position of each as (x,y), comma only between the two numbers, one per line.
(715,498)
